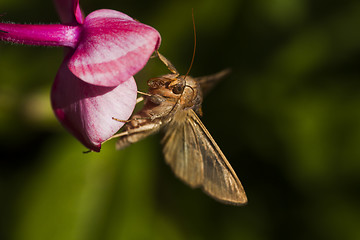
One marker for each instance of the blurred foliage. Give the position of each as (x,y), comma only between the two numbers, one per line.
(288,120)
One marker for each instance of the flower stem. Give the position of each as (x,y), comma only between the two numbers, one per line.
(43,35)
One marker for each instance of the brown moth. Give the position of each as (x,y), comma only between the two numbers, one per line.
(172,105)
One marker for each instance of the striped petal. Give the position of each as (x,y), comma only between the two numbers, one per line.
(86,110)
(113,47)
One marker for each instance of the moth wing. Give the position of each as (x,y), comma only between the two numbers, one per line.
(208,82)
(196,159)
(133,135)
(182,151)
(220,180)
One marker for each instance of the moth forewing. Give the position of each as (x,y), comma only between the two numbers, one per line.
(220,180)
(196,159)
(182,151)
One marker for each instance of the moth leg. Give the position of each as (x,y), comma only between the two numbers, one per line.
(144,93)
(120,120)
(157,99)
(133,135)
(125,133)
(140,99)
(132,119)
(167,63)
(119,135)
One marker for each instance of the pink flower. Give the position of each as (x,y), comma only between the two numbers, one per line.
(95,81)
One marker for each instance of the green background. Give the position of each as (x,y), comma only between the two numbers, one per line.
(288,120)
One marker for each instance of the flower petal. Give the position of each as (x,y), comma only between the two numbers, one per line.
(86,110)
(69,11)
(113,47)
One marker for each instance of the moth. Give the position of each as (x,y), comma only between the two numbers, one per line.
(172,105)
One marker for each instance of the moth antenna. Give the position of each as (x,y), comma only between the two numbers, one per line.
(193,56)
(192,61)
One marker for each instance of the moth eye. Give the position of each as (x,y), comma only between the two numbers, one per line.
(177,89)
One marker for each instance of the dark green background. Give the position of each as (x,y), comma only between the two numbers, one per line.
(288,119)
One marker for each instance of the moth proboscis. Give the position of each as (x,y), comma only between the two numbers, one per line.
(172,105)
